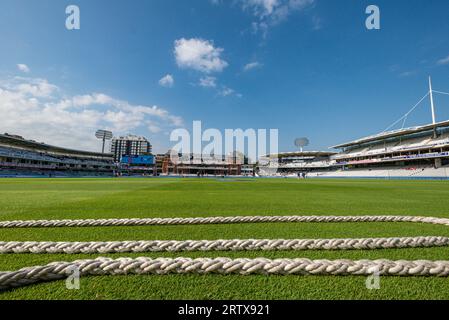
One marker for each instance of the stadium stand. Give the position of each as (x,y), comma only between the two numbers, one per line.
(418,152)
(21,157)
(204,165)
(411,153)
(297,163)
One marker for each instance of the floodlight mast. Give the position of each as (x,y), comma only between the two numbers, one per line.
(103,135)
(432,106)
(104,142)
(431,101)
(301,143)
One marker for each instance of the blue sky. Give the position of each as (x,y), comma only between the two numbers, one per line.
(306,67)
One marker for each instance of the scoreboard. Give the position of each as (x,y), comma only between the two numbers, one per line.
(138,160)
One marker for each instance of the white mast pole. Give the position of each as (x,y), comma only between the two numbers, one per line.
(431,101)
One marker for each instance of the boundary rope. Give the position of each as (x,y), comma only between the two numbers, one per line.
(242,266)
(48,247)
(214,220)
(164,266)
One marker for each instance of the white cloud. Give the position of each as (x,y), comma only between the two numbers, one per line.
(275,9)
(30,87)
(208,82)
(251,66)
(443,61)
(38,110)
(317,23)
(225,92)
(261,7)
(23,67)
(153,127)
(199,54)
(407,74)
(272,12)
(167,81)
(221,90)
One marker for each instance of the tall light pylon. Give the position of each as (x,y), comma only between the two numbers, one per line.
(431,101)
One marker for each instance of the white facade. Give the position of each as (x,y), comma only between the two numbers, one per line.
(130,145)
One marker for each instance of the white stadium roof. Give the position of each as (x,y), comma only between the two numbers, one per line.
(303,154)
(391,134)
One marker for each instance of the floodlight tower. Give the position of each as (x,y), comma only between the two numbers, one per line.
(432,106)
(103,135)
(431,101)
(301,143)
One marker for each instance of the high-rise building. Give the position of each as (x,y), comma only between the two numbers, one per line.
(130,145)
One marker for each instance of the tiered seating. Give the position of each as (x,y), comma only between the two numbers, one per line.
(35,156)
(22,154)
(313,164)
(392,172)
(397,146)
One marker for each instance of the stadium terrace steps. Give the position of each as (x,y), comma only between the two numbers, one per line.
(419,172)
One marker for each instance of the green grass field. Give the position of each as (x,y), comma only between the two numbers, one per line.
(126,198)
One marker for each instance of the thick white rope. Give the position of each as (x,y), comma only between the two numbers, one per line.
(220,245)
(214,220)
(243,266)
(163,266)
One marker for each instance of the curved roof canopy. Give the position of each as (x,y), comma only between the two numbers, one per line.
(304,154)
(391,134)
(18,141)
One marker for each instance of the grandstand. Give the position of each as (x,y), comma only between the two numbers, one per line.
(421,151)
(142,165)
(21,157)
(204,165)
(415,152)
(294,163)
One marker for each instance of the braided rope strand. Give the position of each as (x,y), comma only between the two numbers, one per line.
(202,266)
(214,220)
(220,245)
(242,266)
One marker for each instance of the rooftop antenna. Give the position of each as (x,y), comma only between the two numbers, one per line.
(431,101)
